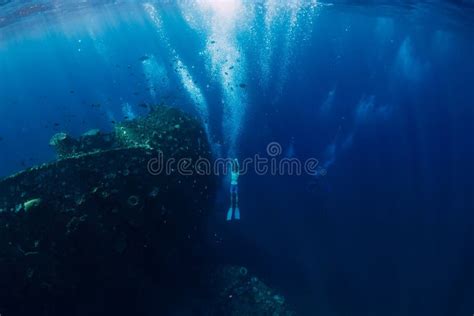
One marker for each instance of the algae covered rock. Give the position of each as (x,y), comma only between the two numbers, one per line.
(63,144)
(164,129)
(83,234)
(93,140)
(97,233)
(167,131)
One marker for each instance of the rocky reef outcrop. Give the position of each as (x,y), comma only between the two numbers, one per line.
(235,292)
(95,231)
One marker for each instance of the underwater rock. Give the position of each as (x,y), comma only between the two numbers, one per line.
(95,231)
(83,234)
(235,292)
(93,140)
(63,144)
(176,136)
(164,128)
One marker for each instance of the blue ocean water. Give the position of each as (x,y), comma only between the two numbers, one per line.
(380,92)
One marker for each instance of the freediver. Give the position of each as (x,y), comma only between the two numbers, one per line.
(234,192)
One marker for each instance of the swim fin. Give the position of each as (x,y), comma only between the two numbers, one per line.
(237,214)
(229,214)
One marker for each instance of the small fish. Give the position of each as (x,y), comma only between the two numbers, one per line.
(143,105)
(113,122)
(71,91)
(213,42)
(56,124)
(144,58)
(243,85)
(95,105)
(231,67)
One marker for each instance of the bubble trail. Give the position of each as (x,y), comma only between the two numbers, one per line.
(186,79)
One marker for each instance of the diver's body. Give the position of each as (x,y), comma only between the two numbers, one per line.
(234,211)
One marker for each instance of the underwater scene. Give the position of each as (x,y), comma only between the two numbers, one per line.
(236,157)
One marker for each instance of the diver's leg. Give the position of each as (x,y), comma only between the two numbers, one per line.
(237,210)
(230,211)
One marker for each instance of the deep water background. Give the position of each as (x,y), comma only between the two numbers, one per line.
(380,94)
